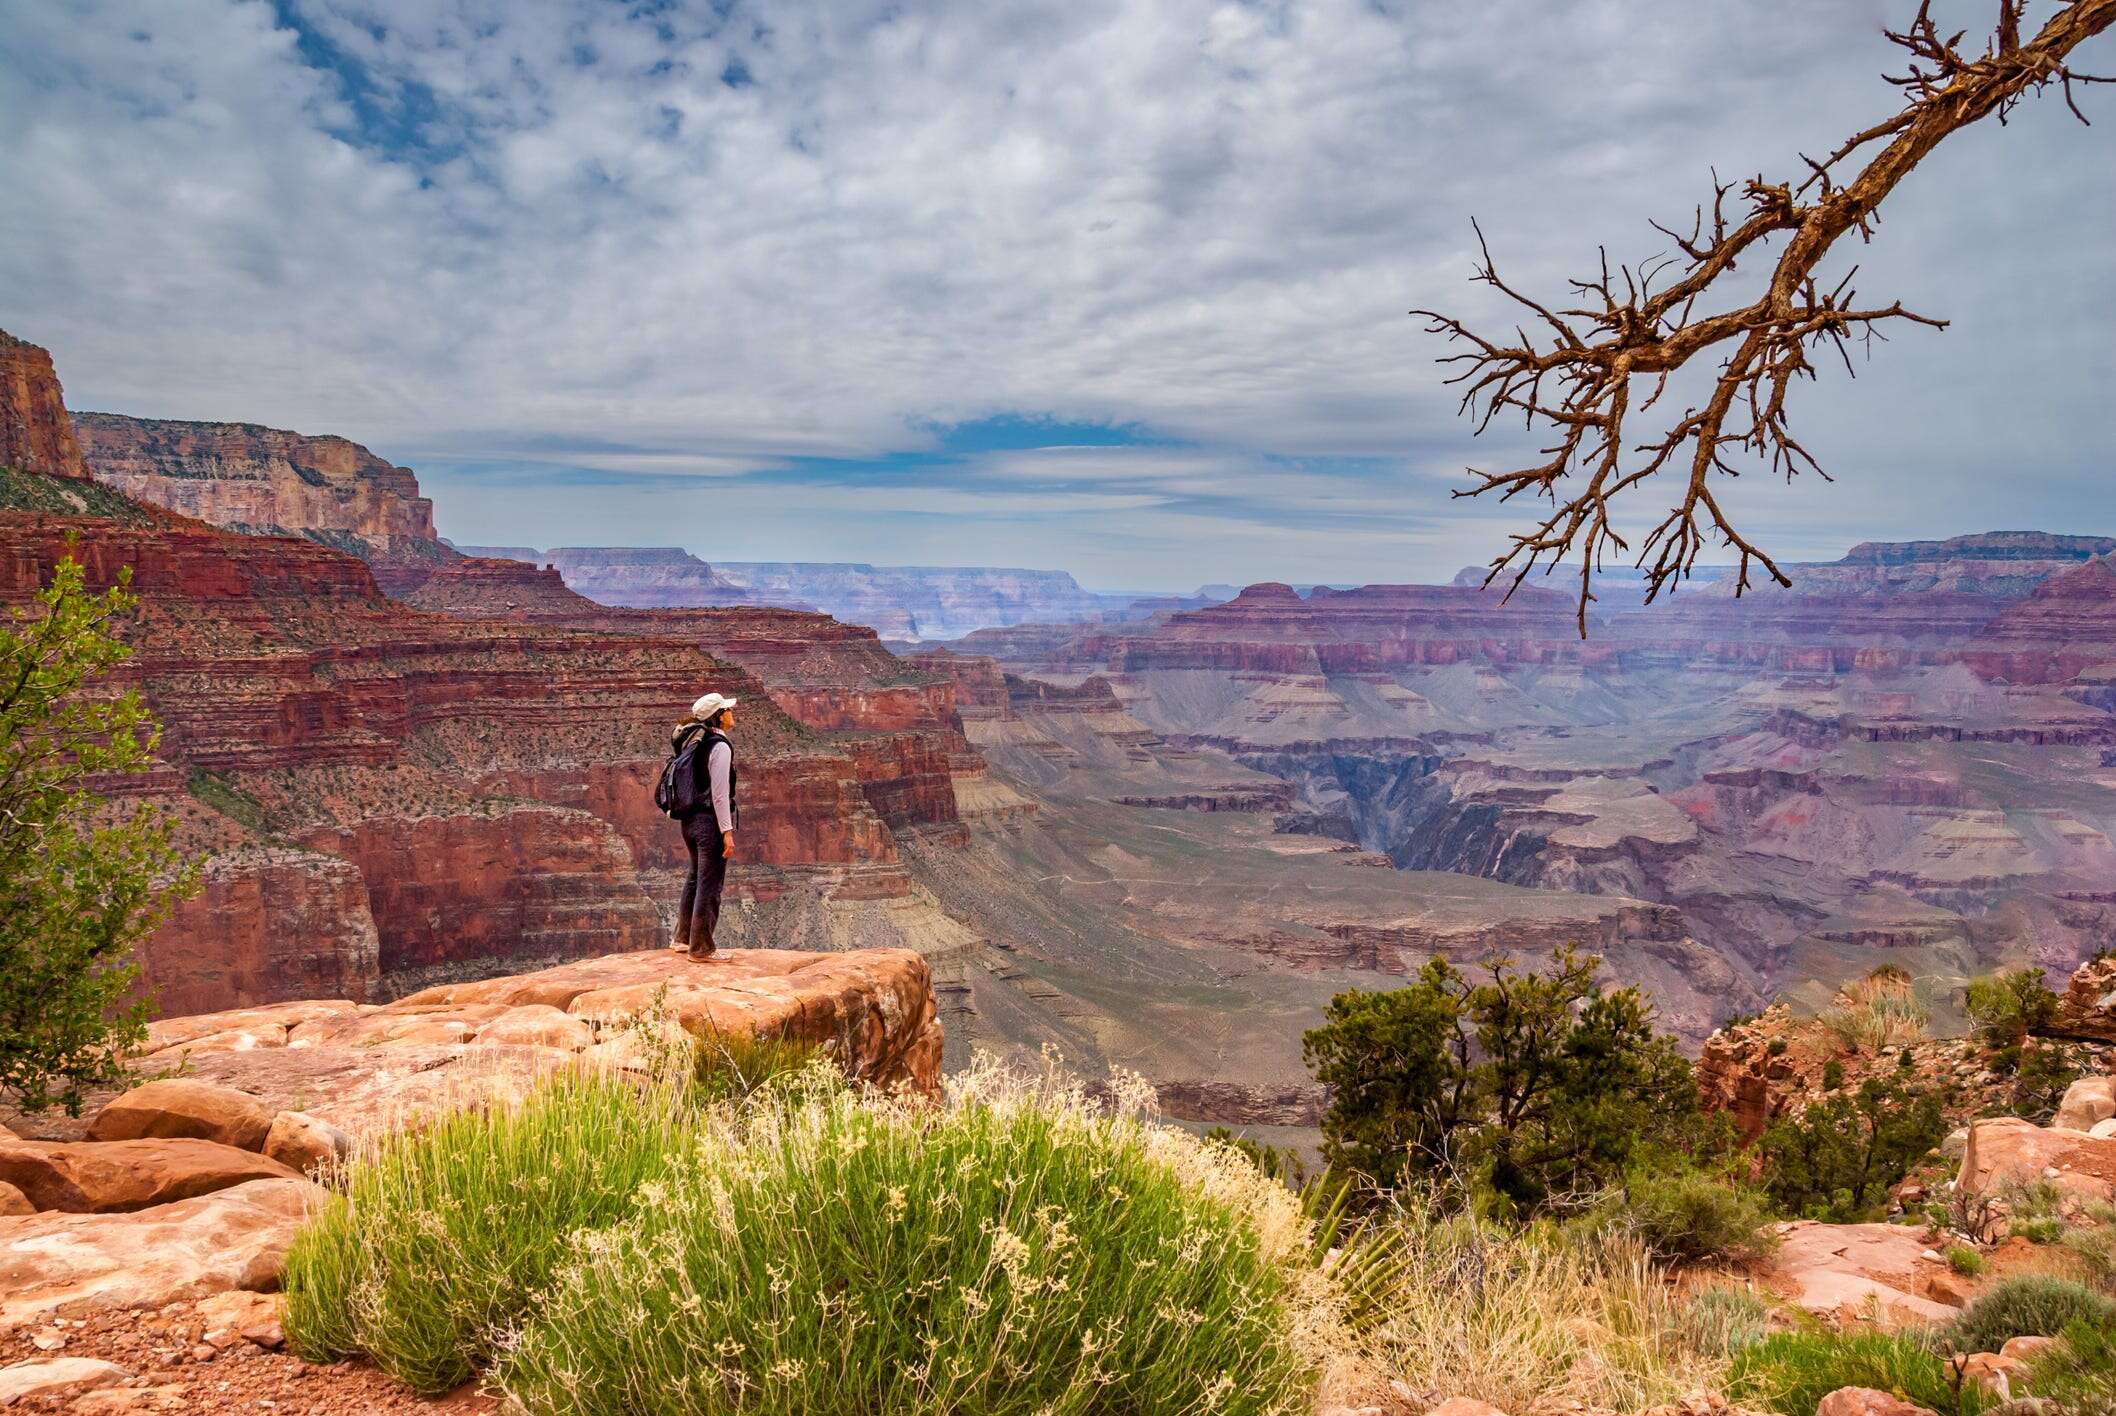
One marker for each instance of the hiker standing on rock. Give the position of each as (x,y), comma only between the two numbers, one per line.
(697,788)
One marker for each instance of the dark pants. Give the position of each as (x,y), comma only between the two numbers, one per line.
(698,913)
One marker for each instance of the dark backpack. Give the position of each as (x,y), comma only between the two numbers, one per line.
(677,794)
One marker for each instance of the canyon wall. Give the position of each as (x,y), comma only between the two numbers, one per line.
(35,434)
(1906,759)
(269,481)
(905,603)
(395,796)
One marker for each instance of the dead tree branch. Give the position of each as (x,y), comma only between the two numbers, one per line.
(1571,370)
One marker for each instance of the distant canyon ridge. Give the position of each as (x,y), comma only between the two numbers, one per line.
(1153,832)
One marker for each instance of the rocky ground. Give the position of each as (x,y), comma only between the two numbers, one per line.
(139,1249)
(141,1244)
(212,1355)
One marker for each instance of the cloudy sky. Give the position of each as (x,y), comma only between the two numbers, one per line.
(1118,286)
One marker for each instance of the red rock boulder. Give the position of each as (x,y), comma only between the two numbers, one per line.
(2006,1150)
(306,1143)
(77,1264)
(1865,1401)
(110,1177)
(177,1107)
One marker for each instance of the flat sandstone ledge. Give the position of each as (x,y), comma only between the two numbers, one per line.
(872,1009)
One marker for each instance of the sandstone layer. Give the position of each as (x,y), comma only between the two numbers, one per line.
(273,482)
(35,434)
(394,795)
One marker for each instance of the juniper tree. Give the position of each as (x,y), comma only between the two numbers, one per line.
(82,879)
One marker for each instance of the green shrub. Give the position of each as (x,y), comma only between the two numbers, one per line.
(1685,1216)
(2095,1249)
(1964,1260)
(1878,1012)
(2026,1305)
(1837,1159)
(2006,1007)
(2043,1229)
(2079,1372)
(1723,1320)
(1790,1372)
(1012,1252)
(735,1066)
(2040,1077)
(444,1235)
(1832,1075)
(1535,1085)
(1531,1318)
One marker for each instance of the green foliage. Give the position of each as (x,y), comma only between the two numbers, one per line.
(1790,1372)
(1832,1075)
(444,1235)
(1683,1215)
(1541,1317)
(1005,1254)
(2094,1249)
(2026,1305)
(214,791)
(64,496)
(1723,1320)
(1538,1085)
(2005,1007)
(2043,1229)
(81,881)
(2040,1077)
(1836,1160)
(2079,1371)
(609,1245)
(1964,1260)
(735,1066)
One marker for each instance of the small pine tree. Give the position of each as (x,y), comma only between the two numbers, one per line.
(81,880)
(1541,1085)
(2006,1007)
(1837,1159)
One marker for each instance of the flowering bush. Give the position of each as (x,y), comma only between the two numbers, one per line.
(1016,1250)
(614,1245)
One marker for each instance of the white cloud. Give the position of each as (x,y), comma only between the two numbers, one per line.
(1202,219)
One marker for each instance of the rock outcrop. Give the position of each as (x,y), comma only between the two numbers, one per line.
(1834,1270)
(2005,1151)
(176,1107)
(35,433)
(74,1264)
(112,1177)
(2088,1009)
(271,481)
(2066,628)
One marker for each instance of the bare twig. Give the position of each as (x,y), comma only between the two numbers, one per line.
(1575,376)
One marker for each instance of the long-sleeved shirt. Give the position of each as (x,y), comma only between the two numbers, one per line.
(718,763)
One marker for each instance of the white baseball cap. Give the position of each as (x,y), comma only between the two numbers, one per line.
(710,704)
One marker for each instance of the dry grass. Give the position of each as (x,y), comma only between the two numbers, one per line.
(1878,1012)
(1531,1319)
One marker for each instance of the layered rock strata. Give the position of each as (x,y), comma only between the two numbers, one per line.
(270,481)
(394,794)
(35,433)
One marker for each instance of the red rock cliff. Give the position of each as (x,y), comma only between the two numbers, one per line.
(250,478)
(35,435)
(488,784)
